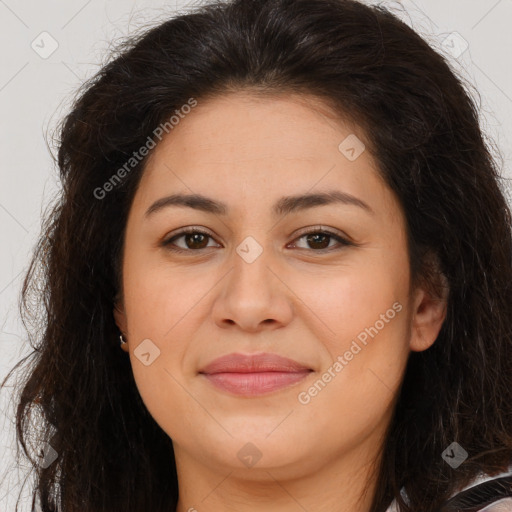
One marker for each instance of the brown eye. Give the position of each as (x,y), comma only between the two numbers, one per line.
(320,240)
(193,239)
(196,240)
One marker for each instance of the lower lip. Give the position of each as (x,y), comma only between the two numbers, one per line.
(253,384)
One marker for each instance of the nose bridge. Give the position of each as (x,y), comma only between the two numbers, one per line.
(251,295)
(251,260)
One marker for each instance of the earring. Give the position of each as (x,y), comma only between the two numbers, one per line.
(122,342)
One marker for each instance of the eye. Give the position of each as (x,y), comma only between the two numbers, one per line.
(319,239)
(194,239)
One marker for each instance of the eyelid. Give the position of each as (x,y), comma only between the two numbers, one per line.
(189,229)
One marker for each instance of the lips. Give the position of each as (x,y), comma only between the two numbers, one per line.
(253,363)
(255,374)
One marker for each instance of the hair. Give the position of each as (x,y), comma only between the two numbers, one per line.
(420,124)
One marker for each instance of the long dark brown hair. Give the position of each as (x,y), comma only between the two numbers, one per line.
(422,127)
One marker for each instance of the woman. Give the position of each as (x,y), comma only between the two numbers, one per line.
(286,213)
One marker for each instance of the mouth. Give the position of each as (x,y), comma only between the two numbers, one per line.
(255,374)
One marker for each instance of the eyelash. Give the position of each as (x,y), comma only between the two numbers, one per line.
(167,244)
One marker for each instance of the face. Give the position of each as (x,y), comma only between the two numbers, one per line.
(297,250)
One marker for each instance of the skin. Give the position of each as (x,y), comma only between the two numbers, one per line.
(293,300)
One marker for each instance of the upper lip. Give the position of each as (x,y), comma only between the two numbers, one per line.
(253,363)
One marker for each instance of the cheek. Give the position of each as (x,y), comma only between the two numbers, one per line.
(355,393)
(351,301)
(364,329)
(159,295)
(165,305)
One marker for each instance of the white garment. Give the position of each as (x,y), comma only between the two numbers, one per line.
(504,505)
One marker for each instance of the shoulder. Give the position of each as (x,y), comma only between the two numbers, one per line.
(484,494)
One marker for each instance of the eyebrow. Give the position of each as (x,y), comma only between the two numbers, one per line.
(283,206)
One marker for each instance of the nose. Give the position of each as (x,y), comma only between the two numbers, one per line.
(253,296)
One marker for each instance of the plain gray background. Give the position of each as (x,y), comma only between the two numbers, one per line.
(48,48)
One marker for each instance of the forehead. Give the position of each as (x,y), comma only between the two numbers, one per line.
(241,143)
(259,127)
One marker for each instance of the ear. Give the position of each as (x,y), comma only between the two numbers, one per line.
(428,316)
(120,319)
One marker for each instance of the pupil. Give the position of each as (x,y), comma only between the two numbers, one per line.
(315,239)
(195,237)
